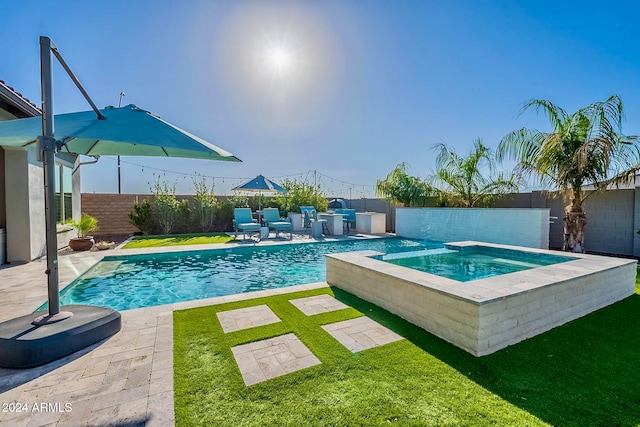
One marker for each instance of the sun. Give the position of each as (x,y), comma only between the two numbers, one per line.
(280,60)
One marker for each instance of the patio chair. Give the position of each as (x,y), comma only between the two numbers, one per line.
(310,217)
(306,219)
(349,219)
(271,218)
(243,221)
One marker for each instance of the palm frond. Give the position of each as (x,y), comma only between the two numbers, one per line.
(557,116)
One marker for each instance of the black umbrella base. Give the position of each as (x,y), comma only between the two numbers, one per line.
(25,345)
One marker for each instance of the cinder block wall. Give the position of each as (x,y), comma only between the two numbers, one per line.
(610,217)
(111,211)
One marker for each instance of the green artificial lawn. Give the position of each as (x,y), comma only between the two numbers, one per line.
(579,374)
(177,240)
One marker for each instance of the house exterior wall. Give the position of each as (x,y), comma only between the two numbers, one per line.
(3,205)
(24,205)
(76,197)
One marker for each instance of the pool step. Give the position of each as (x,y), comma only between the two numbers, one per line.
(514,262)
(423,252)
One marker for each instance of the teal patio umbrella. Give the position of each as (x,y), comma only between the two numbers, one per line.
(260,184)
(126,131)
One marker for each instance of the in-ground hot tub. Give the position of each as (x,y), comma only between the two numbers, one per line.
(483,315)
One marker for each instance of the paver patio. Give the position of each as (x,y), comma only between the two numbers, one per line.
(128,377)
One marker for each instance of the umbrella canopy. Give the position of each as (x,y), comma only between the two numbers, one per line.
(126,131)
(260,184)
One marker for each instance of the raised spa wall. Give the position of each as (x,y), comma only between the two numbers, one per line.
(486,315)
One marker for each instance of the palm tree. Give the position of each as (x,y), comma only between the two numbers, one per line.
(584,148)
(470,181)
(400,187)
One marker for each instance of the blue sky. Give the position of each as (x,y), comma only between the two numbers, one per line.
(367,84)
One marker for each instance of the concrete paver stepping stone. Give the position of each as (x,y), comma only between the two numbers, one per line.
(361,333)
(318,304)
(245,318)
(262,360)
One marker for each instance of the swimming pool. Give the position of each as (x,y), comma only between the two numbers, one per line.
(472,263)
(134,281)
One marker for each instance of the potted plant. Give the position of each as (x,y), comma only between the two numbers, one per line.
(86,225)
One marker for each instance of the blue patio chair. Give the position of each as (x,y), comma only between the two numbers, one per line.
(306,218)
(310,217)
(271,218)
(349,219)
(243,221)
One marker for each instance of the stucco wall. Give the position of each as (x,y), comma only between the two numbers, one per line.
(3,209)
(25,205)
(521,227)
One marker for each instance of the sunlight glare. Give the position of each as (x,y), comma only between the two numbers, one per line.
(280,60)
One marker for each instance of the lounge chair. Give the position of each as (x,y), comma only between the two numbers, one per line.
(310,217)
(349,219)
(271,218)
(243,221)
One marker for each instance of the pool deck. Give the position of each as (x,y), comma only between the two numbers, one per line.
(125,379)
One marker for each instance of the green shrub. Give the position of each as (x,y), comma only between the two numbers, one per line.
(141,217)
(239,201)
(301,194)
(204,204)
(223,216)
(184,216)
(400,187)
(167,206)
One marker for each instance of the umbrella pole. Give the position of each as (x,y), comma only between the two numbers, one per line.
(47,148)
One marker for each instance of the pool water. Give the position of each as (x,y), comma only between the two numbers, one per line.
(135,281)
(472,263)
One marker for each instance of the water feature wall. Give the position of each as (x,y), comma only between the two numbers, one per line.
(522,227)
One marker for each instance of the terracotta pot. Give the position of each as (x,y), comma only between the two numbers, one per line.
(81,244)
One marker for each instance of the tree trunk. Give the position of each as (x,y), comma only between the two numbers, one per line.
(575,222)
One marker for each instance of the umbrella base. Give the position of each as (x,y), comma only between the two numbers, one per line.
(25,345)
